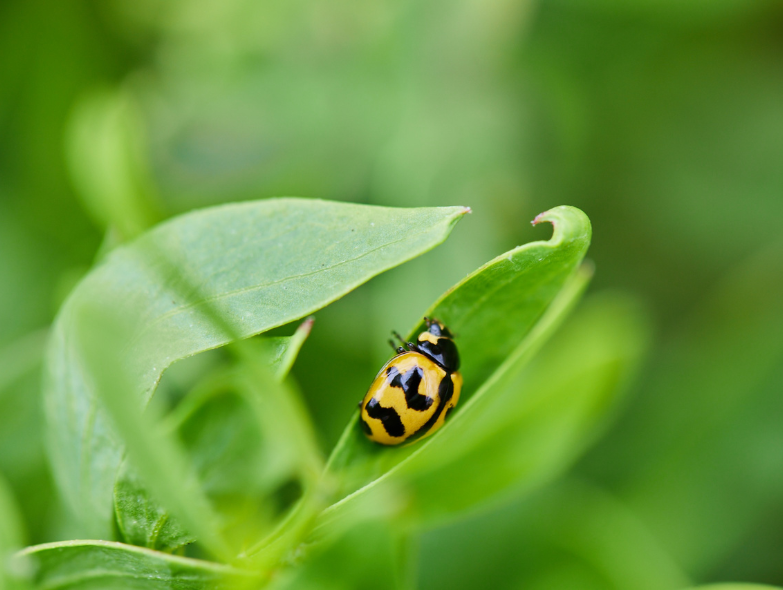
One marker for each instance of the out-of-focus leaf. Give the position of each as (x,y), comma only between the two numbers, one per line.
(260,265)
(505,298)
(220,429)
(736,586)
(287,349)
(20,432)
(21,357)
(105,151)
(373,554)
(707,419)
(11,539)
(99,565)
(22,454)
(570,534)
(153,450)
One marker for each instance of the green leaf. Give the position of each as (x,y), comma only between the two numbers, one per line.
(22,454)
(497,315)
(235,463)
(570,535)
(372,554)
(153,450)
(737,587)
(82,565)
(11,539)
(106,159)
(260,264)
(21,357)
(493,308)
(715,390)
(143,521)
(534,417)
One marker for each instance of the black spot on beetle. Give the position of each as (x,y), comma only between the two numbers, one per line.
(366,427)
(409,383)
(445,393)
(388,417)
(444,352)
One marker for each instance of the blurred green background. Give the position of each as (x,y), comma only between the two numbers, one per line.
(662,120)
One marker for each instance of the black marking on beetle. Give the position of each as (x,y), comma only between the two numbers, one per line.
(409,383)
(365,426)
(445,393)
(443,353)
(388,417)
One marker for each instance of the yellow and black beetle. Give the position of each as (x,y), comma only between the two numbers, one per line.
(414,392)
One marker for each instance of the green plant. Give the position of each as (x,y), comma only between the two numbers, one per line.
(221,482)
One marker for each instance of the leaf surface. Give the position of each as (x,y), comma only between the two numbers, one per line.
(83,565)
(258,264)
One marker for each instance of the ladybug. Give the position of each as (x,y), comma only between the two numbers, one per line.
(414,392)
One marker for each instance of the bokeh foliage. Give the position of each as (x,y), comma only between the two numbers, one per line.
(661,120)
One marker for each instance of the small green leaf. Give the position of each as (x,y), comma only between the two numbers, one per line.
(143,521)
(82,565)
(260,264)
(287,349)
(497,316)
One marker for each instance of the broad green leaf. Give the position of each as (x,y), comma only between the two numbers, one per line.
(224,437)
(104,565)
(260,264)
(736,587)
(504,299)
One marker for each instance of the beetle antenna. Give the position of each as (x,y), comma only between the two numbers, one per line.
(398,337)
